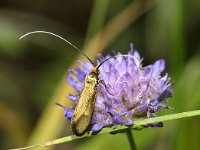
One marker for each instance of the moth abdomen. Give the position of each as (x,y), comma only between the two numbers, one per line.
(81,125)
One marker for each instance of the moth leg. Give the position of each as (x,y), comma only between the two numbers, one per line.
(101,81)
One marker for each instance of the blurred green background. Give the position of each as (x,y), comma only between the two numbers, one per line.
(33,70)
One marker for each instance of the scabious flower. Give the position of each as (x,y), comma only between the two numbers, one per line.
(133,90)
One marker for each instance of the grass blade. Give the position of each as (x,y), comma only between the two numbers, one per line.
(137,124)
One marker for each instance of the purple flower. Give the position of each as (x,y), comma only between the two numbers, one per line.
(136,90)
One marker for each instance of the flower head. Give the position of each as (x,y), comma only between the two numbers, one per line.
(132,90)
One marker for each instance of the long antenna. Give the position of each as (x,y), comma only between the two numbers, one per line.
(103,62)
(113,57)
(58,36)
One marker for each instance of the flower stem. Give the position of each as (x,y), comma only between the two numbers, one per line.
(130,139)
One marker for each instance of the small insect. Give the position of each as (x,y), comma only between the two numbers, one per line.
(83,112)
(84,109)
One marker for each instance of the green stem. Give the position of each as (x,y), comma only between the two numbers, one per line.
(130,139)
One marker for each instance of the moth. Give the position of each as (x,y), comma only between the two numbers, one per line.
(84,109)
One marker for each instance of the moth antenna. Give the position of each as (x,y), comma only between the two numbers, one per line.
(113,57)
(103,62)
(58,36)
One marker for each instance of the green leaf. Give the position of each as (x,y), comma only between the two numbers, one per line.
(137,124)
